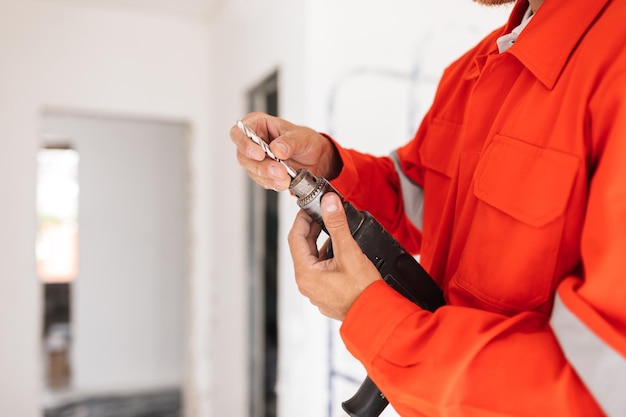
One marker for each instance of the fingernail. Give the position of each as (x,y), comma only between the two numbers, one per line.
(331,204)
(282,148)
(275,172)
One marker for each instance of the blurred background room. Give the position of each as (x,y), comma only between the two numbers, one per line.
(141,273)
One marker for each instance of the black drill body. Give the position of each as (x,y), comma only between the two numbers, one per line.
(397,267)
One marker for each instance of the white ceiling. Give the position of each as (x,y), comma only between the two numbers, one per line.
(200,10)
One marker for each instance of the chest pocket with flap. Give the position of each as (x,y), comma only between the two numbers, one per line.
(522,192)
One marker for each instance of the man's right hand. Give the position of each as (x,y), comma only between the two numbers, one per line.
(299,146)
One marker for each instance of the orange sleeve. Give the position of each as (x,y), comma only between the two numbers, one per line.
(371,183)
(460,361)
(598,300)
(592,317)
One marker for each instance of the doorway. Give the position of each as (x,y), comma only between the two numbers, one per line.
(126,330)
(263,274)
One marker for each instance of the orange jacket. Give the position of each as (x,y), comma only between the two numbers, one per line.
(522,162)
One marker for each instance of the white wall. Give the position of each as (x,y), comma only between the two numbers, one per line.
(317,45)
(103,60)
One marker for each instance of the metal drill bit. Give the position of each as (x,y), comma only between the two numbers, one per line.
(266,148)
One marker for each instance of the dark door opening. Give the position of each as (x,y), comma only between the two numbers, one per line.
(263,255)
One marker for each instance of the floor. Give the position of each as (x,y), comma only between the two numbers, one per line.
(156,404)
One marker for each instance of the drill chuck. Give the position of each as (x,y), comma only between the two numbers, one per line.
(310,189)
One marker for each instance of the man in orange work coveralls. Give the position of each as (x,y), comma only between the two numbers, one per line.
(513,192)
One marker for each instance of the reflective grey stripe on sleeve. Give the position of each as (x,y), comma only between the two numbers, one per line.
(412,195)
(602,369)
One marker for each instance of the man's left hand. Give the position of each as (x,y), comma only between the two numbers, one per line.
(333,284)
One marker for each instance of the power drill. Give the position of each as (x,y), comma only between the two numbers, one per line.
(396,266)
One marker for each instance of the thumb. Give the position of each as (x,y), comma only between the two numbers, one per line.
(336,223)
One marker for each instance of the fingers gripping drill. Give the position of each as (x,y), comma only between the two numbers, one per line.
(397,267)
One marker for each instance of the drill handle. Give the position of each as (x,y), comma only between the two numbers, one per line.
(367,402)
(396,265)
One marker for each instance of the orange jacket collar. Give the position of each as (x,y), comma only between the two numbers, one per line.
(545,33)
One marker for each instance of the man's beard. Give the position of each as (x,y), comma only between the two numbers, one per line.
(494,2)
